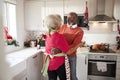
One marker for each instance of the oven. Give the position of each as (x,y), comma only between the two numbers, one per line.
(101,67)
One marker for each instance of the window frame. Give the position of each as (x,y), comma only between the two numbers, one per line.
(6,18)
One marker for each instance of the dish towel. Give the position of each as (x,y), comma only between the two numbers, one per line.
(101,66)
(67,67)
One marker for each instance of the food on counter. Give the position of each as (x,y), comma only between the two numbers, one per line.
(102,47)
(96,46)
(99,46)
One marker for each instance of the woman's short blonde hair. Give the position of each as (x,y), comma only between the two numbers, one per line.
(59,17)
(53,21)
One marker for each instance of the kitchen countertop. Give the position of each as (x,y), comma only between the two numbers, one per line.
(85,50)
(21,55)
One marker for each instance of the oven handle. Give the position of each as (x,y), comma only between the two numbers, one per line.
(105,62)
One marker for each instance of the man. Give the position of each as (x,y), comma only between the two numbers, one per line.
(73,34)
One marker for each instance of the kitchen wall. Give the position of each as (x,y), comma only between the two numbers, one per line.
(103,32)
(98,33)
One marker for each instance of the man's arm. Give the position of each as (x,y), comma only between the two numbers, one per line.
(73,49)
(77,43)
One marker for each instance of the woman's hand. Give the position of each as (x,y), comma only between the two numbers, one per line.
(56,51)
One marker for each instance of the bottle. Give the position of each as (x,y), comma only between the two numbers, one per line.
(32,43)
(38,43)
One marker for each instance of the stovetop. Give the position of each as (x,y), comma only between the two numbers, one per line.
(102,51)
(106,50)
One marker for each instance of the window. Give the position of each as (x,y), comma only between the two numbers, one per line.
(10,18)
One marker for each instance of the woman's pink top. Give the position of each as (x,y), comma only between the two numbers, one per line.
(56,40)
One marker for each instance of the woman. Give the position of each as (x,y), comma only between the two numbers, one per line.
(56,47)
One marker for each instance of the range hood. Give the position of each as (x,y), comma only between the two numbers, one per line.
(104,11)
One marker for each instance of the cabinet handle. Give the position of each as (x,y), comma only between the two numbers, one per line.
(26,78)
(85,60)
(35,56)
(105,62)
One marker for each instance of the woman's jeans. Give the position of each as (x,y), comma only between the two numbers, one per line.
(60,72)
(72,61)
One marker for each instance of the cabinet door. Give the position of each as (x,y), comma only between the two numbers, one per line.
(118,69)
(21,76)
(24,78)
(34,66)
(34,16)
(81,67)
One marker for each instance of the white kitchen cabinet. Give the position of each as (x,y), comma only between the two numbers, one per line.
(18,71)
(118,68)
(21,76)
(117,9)
(34,16)
(36,11)
(34,66)
(26,64)
(78,6)
(24,78)
(81,66)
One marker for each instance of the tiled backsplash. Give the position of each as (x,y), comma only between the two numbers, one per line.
(99,38)
(33,35)
(100,33)
(89,38)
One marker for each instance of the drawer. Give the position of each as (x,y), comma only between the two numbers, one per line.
(18,68)
(118,65)
(21,76)
(117,78)
(118,74)
(118,58)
